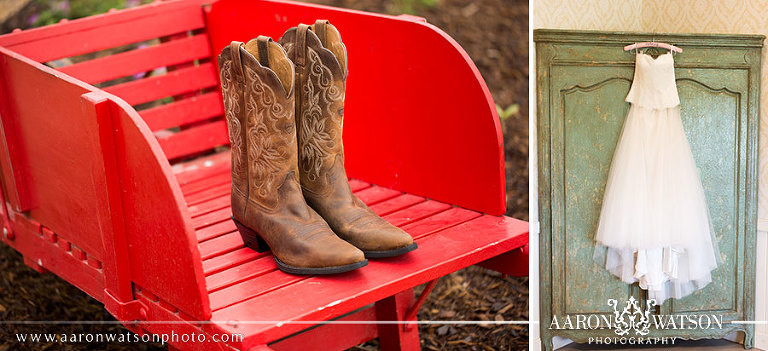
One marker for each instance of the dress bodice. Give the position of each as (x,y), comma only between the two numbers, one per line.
(654,83)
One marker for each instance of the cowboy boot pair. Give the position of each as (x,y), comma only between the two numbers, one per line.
(266,99)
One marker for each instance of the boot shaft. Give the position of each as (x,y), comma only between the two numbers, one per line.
(259,109)
(319,91)
(231,78)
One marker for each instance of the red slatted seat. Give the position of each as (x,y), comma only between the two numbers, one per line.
(242,283)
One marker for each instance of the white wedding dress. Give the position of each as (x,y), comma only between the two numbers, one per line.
(654,222)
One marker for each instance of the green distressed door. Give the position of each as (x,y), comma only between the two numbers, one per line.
(582,80)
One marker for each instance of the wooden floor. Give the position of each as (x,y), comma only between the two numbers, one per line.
(693,345)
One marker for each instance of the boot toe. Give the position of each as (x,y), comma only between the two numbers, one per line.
(340,253)
(385,241)
(392,238)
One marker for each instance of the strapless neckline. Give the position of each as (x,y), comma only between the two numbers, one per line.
(654,59)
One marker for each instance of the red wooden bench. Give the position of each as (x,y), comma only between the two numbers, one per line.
(130,203)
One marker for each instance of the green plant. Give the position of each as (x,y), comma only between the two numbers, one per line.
(56,10)
(505,113)
(510,111)
(412,6)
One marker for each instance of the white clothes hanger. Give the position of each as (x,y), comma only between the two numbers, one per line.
(653,44)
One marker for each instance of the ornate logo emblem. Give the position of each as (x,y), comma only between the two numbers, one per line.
(632,317)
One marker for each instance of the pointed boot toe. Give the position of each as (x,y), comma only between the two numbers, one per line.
(394,243)
(322,255)
(377,238)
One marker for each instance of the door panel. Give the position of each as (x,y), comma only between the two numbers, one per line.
(711,113)
(591,111)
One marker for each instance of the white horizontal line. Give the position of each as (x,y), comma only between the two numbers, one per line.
(261,322)
(749,322)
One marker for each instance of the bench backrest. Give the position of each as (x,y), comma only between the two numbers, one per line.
(418,116)
(156,59)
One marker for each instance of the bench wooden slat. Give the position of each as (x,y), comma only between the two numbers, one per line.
(356,184)
(441,221)
(245,271)
(223,177)
(261,273)
(186,111)
(263,284)
(202,169)
(176,82)
(111,35)
(394,204)
(220,245)
(210,206)
(211,218)
(213,192)
(126,63)
(438,254)
(215,230)
(416,212)
(195,139)
(196,187)
(232,259)
(376,194)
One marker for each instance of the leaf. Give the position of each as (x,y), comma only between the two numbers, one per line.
(510,111)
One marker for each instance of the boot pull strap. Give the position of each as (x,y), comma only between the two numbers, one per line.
(262,42)
(234,50)
(320,28)
(301,44)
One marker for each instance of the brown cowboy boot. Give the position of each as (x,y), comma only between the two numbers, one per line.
(268,207)
(321,66)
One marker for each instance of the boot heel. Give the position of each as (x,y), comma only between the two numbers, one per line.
(251,238)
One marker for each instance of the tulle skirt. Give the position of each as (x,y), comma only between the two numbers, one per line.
(654,224)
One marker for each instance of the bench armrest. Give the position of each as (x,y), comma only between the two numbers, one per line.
(87,168)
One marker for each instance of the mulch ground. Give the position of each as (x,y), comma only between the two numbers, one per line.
(495,35)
